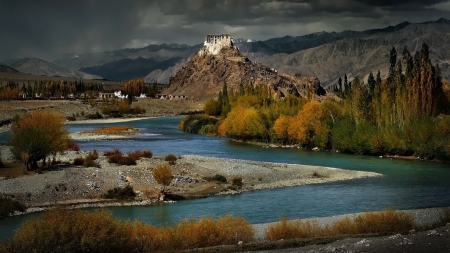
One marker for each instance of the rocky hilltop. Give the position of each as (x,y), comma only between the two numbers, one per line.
(203,76)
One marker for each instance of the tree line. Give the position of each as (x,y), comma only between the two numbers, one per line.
(404,114)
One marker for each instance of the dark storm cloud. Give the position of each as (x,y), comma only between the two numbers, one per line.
(50,28)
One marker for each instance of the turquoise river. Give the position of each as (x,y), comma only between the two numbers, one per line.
(405,184)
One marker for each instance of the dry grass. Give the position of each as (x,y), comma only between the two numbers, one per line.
(113,130)
(384,222)
(78,231)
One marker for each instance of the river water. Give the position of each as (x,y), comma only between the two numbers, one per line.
(405,184)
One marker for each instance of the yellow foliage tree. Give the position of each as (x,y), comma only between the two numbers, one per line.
(244,122)
(308,123)
(37,135)
(163,175)
(281,127)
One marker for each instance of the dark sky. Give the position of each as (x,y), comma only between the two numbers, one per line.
(50,28)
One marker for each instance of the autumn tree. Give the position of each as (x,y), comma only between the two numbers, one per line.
(212,107)
(244,123)
(163,175)
(36,136)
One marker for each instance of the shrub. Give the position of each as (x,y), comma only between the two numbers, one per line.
(112,152)
(95,115)
(216,178)
(115,158)
(384,222)
(91,163)
(286,229)
(71,118)
(126,160)
(237,181)
(193,123)
(72,146)
(78,161)
(120,193)
(138,154)
(8,206)
(171,158)
(92,155)
(147,154)
(137,109)
(105,110)
(163,175)
(62,230)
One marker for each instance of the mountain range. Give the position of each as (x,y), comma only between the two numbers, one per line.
(326,55)
(40,67)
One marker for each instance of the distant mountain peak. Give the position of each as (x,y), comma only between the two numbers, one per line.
(442,20)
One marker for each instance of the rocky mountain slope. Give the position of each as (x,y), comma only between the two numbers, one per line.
(359,56)
(6,68)
(203,76)
(37,66)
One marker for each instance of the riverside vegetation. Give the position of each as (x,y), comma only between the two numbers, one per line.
(65,230)
(405,114)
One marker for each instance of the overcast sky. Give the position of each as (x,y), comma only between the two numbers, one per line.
(49,28)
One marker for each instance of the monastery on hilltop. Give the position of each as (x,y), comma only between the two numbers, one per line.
(215,42)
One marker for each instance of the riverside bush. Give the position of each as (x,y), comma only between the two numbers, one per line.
(8,206)
(171,158)
(112,152)
(91,163)
(72,146)
(126,192)
(136,155)
(78,161)
(384,222)
(92,155)
(62,230)
(194,123)
(216,178)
